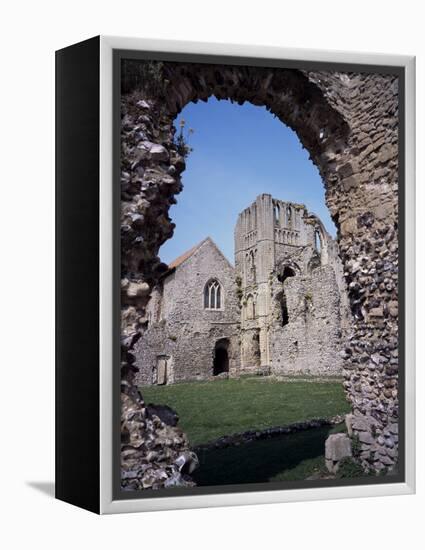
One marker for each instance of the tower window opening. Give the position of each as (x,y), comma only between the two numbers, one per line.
(251,266)
(250,307)
(277,214)
(288,214)
(284,310)
(317,241)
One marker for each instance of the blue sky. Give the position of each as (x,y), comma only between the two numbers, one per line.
(239,153)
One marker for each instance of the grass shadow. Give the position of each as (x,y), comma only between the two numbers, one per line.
(284,458)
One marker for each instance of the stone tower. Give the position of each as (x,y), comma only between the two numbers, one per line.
(289,281)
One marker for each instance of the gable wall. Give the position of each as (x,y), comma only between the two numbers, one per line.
(185,331)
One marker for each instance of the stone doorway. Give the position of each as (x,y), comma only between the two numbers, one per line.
(162,370)
(221,357)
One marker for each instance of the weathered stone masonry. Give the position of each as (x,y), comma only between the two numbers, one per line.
(183,334)
(349,124)
(294,302)
(283,309)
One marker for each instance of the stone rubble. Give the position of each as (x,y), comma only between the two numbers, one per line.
(337,447)
(153,454)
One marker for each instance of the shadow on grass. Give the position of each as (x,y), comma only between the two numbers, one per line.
(284,458)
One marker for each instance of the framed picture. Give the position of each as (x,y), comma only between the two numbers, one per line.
(235,286)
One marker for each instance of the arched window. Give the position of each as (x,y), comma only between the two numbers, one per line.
(252,272)
(288,214)
(212,295)
(250,307)
(317,241)
(277,214)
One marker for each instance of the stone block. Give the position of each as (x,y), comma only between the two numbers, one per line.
(349,183)
(366,437)
(386,153)
(137,289)
(158,152)
(384,210)
(393,308)
(337,447)
(349,423)
(376,312)
(349,226)
(348,169)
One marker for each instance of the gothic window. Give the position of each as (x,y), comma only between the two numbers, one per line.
(212,295)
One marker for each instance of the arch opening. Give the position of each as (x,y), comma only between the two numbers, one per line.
(285,272)
(299,100)
(317,241)
(221,357)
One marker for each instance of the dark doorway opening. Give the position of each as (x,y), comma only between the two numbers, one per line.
(284,310)
(221,357)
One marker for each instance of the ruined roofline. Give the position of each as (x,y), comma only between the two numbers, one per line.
(296,205)
(299,206)
(177,262)
(316,219)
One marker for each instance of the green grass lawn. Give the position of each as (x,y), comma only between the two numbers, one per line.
(208,410)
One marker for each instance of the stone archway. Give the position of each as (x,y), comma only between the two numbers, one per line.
(348,123)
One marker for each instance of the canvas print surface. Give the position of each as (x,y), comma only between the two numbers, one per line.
(259,276)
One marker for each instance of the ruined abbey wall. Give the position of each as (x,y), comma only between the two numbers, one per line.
(294,315)
(181,330)
(270,321)
(311,343)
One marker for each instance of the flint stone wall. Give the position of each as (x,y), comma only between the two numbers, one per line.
(311,342)
(295,310)
(181,328)
(349,124)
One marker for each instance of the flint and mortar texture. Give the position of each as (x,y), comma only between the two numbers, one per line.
(294,306)
(154,455)
(349,124)
(272,238)
(180,329)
